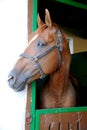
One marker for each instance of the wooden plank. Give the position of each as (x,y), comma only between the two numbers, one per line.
(64,121)
(82,121)
(27,115)
(28,118)
(30,4)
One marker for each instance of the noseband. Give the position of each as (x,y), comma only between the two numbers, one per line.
(36,58)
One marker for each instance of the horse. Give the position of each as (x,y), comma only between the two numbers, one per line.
(47,54)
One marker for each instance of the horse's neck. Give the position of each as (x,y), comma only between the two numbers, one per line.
(59,80)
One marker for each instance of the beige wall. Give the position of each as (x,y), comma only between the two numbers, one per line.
(79,45)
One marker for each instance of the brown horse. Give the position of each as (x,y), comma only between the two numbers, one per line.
(47,53)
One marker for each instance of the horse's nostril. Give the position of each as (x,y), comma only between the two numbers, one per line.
(11,80)
(10,77)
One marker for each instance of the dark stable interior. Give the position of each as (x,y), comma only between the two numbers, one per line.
(71,19)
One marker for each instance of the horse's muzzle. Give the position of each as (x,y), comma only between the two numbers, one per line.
(12,81)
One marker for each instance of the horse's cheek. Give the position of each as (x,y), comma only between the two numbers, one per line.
(50,65)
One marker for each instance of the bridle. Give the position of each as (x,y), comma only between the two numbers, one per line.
(36,58)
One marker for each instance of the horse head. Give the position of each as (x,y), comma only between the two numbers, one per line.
(42,56)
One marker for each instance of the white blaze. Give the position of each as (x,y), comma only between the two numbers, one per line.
(33,39)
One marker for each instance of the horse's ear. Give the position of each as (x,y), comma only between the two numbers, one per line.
(40,22)
(48,20)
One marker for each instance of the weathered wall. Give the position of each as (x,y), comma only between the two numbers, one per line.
(13,39)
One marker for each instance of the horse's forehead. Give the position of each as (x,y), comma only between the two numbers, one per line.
(33,38)
(35,34)
(42,32)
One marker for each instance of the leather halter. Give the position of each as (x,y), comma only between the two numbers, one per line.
(36,58)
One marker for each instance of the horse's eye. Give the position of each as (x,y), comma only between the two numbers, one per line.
(41,44)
